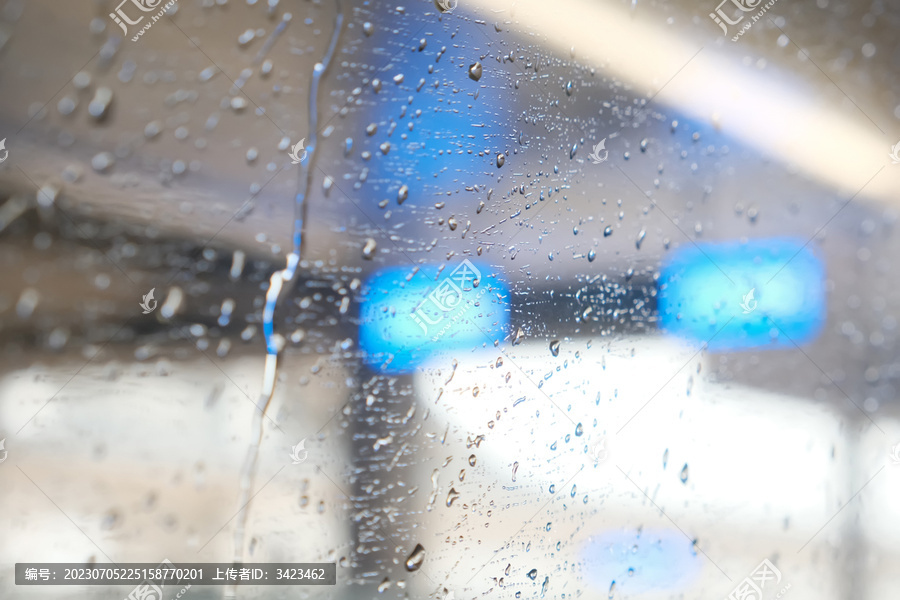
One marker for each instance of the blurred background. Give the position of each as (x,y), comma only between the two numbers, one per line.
(676,358)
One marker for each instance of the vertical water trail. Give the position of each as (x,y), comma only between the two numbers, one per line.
(280,282)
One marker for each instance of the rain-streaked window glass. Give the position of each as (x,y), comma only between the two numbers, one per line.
(449,299)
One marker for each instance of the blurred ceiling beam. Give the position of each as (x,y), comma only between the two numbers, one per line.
(836,145)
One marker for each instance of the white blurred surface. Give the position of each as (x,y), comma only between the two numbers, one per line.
(762,479)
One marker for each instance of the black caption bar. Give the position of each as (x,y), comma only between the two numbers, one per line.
(157,575)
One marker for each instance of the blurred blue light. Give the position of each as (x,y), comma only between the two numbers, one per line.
(770,290)
(405,322)
(641,561)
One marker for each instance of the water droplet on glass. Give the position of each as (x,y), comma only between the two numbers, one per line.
(684,474)
(369,249)
(579,430)
(608,231)
(103,162)
(100,104)
(514,469)
(554,347)
(520,335)
(752,214)
(82,80)
(238,103)
(416,558)
(501,159)
(475,71)
(591,255)
(570,89)
(28,301)
(368,28)
(472,460)
(152,129)
(532,574)
(66,105)
(434,489)
(452,495)
(402,194)
(246,37)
